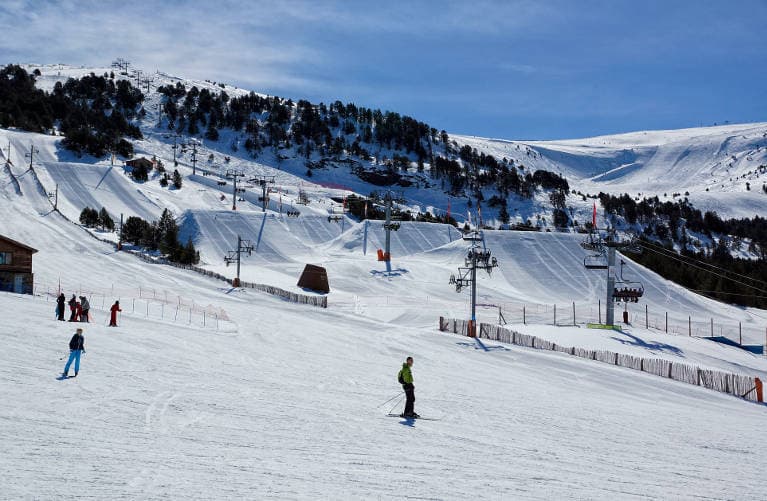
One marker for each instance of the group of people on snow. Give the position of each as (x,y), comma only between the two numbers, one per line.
(80,310)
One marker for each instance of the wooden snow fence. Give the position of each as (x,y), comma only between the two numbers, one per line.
(319,301)
(733,384)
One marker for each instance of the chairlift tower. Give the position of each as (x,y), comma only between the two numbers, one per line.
(303,196)
(478,258)
(194,143)
(608,246)
(234,256)
(175,148)
(390,226)
(233,174)
(263,181)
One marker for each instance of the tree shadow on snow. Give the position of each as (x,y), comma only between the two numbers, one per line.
(479,345)
(393,273)
(636,341)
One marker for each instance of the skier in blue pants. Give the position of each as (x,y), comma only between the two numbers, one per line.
(76,347)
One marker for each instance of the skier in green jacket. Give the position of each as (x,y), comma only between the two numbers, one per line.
(405,377)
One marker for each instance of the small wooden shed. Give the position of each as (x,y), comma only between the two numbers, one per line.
(314,278)
(15,266)
(140,162)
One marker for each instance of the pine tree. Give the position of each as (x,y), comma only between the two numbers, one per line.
(105,220)
(504,214)
(167,233)
(177,180)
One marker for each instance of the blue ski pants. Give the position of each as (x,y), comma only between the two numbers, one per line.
(73,355)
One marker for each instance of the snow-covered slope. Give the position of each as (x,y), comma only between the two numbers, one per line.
(273,399)
(712,164)
(292,405)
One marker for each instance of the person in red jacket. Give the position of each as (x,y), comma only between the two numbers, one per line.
(78,312)
(113,318)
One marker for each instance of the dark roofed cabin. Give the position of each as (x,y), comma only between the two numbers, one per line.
(15,266)
(140,162)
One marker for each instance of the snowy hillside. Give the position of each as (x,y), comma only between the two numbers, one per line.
(210,391)
(712,164)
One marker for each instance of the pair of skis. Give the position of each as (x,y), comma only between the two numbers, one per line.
(412,418)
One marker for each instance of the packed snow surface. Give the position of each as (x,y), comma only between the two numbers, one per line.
(207,391)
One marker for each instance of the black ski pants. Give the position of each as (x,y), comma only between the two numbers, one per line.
(409,398)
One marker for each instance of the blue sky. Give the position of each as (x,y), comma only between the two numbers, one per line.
(513,69)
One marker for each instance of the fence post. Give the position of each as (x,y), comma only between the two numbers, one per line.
(689,326)
(646,318)
(574,323)
(190,315)
(524,318)
(134,305)
(600,311)
(162,311)
(203,319)
(712,327)
(555,314)
(759,394)
(740,333)
(666,322)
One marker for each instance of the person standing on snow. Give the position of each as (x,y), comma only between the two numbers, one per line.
(113,317)
(405,377)
(76,347)
(86,307)
(61,301)
(78,312)
(73,309)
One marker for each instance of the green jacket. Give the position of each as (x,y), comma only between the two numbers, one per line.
(407,376)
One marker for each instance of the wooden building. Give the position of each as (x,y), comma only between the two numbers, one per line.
(314,278)
(141,162)
(15,266)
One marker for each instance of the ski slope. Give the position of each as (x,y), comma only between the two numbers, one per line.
(289,406)
(279,400)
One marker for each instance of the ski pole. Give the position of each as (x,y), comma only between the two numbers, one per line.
(396,403)
(392,398)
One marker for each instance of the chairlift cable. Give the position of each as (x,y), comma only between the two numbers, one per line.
(709,271)
(671,253)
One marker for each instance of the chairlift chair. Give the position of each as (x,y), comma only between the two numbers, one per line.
(593,242)
(472,236)
(627,290)
(595,262)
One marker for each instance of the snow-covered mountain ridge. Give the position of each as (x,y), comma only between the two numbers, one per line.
(708,165)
